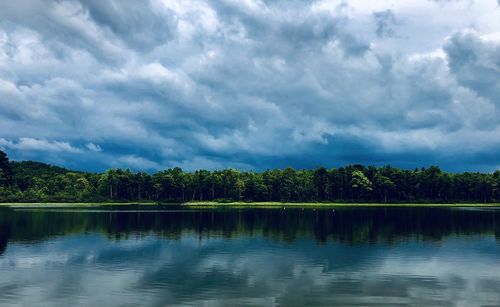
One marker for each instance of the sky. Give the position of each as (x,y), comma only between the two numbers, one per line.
(251,84)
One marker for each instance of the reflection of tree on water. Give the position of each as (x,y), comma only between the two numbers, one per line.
(347,225)
(4,236)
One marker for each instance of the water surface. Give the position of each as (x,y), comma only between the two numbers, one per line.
(234,257)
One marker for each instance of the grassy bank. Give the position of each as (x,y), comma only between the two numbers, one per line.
(243,205)
(321,204)
(64,205)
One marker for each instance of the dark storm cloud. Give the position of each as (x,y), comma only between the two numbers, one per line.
(246,84)
(386,20)
(139,24)
(61,25)
(475,63)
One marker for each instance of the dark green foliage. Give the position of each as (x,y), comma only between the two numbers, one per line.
(5,170)
(38,182)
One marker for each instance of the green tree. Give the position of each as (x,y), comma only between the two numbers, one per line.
(287,186)
(5,170)
(321,183)
(35,181)
(360,184)
(108,184)
(383,184)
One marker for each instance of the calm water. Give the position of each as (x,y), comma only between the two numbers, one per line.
(383,257)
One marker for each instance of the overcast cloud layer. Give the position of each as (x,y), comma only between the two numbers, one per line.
(251,84)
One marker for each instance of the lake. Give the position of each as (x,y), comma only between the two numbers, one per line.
(157,256)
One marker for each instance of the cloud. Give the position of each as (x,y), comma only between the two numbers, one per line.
(241,272)
(252,84)
(151,23)
(30,144)
(385,22)
(475,62)
(93,147)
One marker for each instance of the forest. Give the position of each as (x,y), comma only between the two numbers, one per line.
(29,181)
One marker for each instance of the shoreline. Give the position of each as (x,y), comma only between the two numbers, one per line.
(202,205)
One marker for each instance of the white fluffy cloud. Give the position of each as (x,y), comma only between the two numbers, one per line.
(252,84)
(30,144)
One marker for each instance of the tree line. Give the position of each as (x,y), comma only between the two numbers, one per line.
(29,181)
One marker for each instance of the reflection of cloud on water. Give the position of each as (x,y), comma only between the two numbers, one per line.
(90,270)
